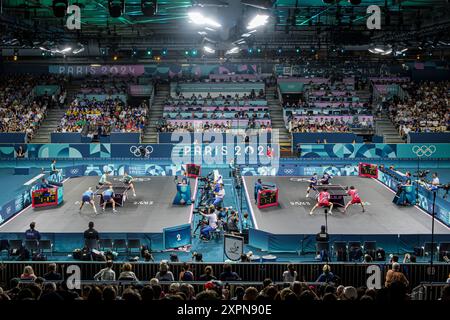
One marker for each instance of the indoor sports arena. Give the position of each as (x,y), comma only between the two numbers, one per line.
(257,150)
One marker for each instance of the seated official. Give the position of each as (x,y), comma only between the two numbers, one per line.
(211,226)
(32,233)
(53,169)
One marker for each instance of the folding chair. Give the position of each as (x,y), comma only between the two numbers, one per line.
(134,244)
(105,244)
(340,250)
(46,245)
(120,244)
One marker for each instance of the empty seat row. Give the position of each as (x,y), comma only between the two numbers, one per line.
(114,244)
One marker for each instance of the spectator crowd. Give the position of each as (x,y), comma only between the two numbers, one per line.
(425,109)
(110,115)
(21,110)
(166,286)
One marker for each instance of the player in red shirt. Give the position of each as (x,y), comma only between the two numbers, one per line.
(355,198)
(323,200)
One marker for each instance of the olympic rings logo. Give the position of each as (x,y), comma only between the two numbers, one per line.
(422,151)
(137,151)
(289,171)
(74,171)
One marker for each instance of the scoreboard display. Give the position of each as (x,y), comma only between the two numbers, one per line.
(268,198)
(47,197)
(176,237)
(193,170)
(368,170)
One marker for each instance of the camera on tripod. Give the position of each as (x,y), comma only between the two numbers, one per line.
(422,174)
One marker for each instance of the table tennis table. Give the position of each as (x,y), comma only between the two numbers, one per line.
(120,193)
(337,193)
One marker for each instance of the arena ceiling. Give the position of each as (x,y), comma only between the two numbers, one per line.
(290,20)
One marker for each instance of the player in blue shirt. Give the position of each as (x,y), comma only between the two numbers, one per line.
(312,184)
(108,197)
(53,169)
(258,187)
(88,197)
(326,177)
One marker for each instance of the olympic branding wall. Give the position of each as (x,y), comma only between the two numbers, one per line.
(376,151)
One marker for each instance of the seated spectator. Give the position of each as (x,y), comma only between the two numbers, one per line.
(327,276)
(127,274)
(207,275)
(52,274)
(164,274)
(106,274)
(186,274)
(228,274)
(28,274)
(290,275)
(395,274)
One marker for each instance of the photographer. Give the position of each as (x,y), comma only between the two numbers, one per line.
(219,195)
(211,226)
(232,222)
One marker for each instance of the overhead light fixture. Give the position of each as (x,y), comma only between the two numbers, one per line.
(208,49)
(79,49)
(248,34)
(199,19)
(232,50)
(260,4)
(383,50)
(258,21)
(59,8)
(65,50)
(149,7)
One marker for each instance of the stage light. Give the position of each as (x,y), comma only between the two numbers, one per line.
(197,18)
(258,50)
(149,52)
(15,57)
(186,52)
(65,50)
(164,52)
(59,8)
(209,49)
(297,50)
(354,2)
(115,58)
(149,7)
(258,21)
(158,58)
(250,50)
(116,8)
(232,50)
(279,50)
(260,4)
